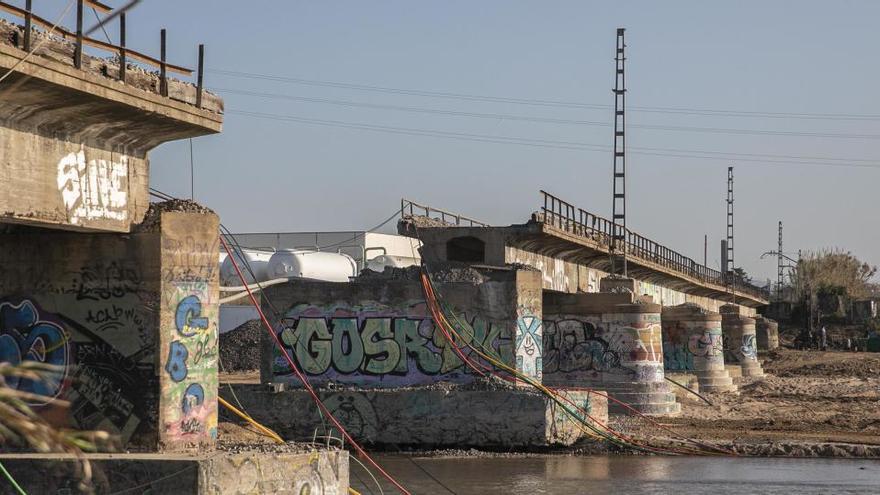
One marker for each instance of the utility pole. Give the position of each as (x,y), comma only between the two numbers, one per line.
(618,210)
(705,249)
(730,264)
(779,266)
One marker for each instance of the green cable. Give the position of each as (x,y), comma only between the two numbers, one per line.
(12,481)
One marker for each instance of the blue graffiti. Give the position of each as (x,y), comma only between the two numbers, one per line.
(193,397)
(189,317)
(176,366)
(26,336)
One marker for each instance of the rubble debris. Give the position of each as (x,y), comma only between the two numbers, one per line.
(150,222)
(240,347)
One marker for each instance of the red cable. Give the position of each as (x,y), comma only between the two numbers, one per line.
(305,381)
(434,308)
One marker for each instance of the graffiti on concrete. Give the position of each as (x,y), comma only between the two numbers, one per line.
(101,281)
(529,343)
(28,334)
(705,345)
(588,347)
(93,189)
(748,348)
(191,364)
(681,356)
(383,346)
(573,345)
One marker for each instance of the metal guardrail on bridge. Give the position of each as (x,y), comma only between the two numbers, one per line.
(565,216)
(411,208)
(121,51)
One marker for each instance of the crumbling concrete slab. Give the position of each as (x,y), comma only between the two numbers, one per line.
(221,473)
(74,144)
(430,417)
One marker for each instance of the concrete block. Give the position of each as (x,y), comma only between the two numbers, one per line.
(74,145)
(378,332)
(221,473)
(448,416)
(122,317)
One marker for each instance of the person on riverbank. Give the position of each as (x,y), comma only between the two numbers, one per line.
(823,339)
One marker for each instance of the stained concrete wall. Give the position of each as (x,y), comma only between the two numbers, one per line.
(427,417)
(378,331)
(103,308)
(246,473)
(570,268)
(74,145)
(566,276)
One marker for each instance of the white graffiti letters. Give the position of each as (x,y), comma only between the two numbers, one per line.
(93,189)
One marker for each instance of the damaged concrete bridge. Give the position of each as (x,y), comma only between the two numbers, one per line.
(572,249)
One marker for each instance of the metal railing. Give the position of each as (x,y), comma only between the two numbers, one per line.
(411,209)
(80,39)
(565,216)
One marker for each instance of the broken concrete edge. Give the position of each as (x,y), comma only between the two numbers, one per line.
(318,470)
(56,56)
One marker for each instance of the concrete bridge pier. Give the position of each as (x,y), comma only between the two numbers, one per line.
(767,333)
(635,333)
(739,341)
(692,343)
(605,341)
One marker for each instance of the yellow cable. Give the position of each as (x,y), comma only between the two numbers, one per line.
(352,491)
(266,431)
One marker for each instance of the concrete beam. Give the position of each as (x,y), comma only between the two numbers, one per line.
(74,144)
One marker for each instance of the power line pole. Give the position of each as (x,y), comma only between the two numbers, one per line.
(618,237)
(730,264)
(779,266)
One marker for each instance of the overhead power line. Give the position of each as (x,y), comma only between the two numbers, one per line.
(570,145)
(549,102)
(526,118)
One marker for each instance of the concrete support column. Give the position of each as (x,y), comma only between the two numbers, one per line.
(739,341)
(767,332)
(529,324)
(188,338)
(693,343)
(634,335)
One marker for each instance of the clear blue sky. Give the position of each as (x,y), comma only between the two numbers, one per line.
(805,57)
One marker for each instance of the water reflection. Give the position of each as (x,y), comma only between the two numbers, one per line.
(625,475)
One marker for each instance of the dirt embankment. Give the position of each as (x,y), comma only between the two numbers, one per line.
(808,401)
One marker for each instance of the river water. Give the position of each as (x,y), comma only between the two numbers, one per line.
(624,475)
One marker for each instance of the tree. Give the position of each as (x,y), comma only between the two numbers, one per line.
(833,271)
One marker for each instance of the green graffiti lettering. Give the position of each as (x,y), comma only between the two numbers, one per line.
(383,353)
(346,330)
(311,344)
(406,333)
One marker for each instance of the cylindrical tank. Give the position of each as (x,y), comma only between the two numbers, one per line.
(739,340)
(257,261)
(312,265)
(692,342)
(379,263)
(767,331)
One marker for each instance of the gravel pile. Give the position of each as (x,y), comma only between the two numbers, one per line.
(240,347)
(154,213)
